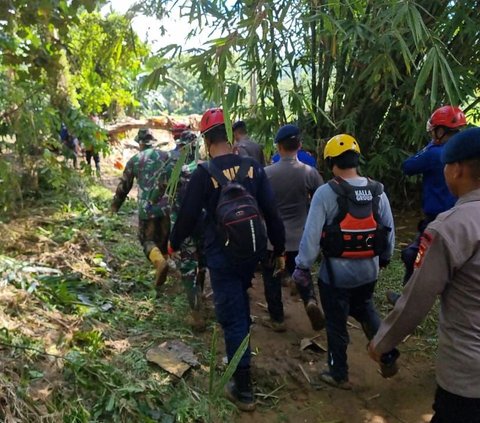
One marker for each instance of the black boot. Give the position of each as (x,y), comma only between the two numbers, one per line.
(240,390)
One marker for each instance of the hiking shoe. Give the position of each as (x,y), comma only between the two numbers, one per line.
(388,364)
(315,314)
(340,384)
(392,297)
(244,401)
(275,325)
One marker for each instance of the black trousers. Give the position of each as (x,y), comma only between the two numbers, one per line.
(338,304)
(273,288)
(451,408)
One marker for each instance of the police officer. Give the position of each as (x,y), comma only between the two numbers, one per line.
(352,254)
(150,167)
(445,122)
(293,184)
(448,265)
(244,146)
(229,279)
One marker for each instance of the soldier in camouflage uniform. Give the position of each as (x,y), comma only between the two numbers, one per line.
(191,264)
(152,169)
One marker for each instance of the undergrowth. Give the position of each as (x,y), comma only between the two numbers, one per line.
(79,315)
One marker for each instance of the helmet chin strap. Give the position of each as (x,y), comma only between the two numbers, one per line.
(437,139)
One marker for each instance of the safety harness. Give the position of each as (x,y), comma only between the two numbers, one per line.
(356,231)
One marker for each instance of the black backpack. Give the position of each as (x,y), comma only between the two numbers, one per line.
(356,231)
(240,224)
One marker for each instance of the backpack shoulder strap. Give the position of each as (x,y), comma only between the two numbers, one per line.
(376,187)
(342,188)
(215,172)
(377,191)
(243,170)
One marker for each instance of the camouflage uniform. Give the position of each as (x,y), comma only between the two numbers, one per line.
(152,169)
(192,263)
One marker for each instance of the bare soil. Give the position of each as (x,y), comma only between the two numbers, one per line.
(406,398)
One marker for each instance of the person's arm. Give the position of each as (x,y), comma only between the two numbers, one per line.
(273,221)
(124,186)
(419,163)
(190,209)
(435,265)
(314,180)
(386,219)
(310,243)
(262,156)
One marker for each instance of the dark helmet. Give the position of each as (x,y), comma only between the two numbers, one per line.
(186,137)
(145,136)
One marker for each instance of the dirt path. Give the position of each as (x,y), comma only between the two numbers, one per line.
(406,399)
(285,395)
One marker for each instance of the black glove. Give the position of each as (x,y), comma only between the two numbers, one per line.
(383,263)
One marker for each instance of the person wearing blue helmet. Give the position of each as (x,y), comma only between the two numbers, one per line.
(293,184)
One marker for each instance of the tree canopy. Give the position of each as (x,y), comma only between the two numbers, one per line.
(372,69)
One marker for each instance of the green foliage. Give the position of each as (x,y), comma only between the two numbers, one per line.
(372,69)
(171,87)
(105,57)
(61,62)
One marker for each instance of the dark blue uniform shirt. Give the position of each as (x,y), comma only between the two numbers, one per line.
(436,196)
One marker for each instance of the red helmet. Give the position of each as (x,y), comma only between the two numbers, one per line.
(210,119)
(449,116)
(178,128)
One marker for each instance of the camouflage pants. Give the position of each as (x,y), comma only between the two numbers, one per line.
(154,233)
(192,265)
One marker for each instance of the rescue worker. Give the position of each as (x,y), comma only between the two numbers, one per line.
(448,265)
(244,145)
(191,262)
(293,184)
(229,279)
(339,213)
(436,198)
(151,169)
